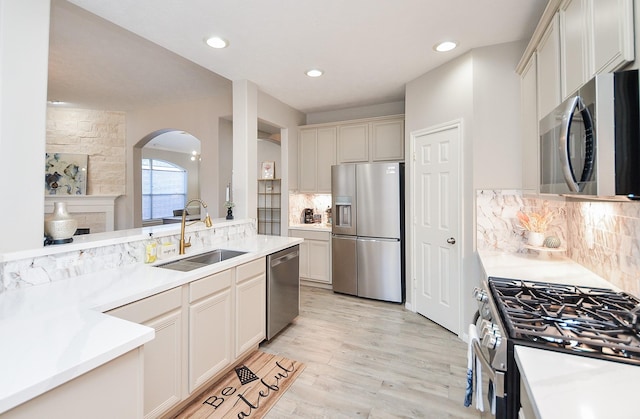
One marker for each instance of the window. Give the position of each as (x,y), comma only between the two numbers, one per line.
(164,188)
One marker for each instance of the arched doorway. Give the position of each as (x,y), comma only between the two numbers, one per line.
(166,151)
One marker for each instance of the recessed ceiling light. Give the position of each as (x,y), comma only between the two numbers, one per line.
(445,46)
(314,72)
(217,42)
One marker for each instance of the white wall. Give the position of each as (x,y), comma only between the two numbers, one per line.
(497,144)
(480,88)
(24,47)
(198,117)
(269,151)
(346,114)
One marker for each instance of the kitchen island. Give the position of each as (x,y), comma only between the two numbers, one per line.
(55,332)
(556,384)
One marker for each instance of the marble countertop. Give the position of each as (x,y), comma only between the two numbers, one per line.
(54,332)
(562,385)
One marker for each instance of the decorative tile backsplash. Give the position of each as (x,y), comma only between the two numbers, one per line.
(42,269)
(298,202)
(602,236)
(498,227)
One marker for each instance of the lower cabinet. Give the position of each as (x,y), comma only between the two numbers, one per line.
(117,383)
(209,327)
(162,355)
(315,255)
(251,305)
(201,329)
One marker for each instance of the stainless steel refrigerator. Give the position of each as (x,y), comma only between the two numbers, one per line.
(367,243)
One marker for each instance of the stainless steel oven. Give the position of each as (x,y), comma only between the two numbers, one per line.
(583,321)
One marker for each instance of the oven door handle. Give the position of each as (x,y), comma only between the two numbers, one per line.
(483,360)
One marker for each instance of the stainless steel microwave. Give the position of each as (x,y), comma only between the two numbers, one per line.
(590,144)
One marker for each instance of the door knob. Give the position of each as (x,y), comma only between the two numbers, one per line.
(451,240)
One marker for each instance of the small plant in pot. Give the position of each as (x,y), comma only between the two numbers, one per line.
(536,224)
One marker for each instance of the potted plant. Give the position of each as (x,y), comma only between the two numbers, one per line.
(536,223)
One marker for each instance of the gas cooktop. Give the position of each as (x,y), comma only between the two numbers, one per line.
(596,322)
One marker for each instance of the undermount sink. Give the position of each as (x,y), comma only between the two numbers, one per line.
(202,260)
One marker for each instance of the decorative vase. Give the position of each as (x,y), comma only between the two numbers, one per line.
(535,239)
(60,225)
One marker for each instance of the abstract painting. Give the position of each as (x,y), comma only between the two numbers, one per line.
(65,174)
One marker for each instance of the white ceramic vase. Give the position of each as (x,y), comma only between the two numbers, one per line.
(60,225)
(535,239)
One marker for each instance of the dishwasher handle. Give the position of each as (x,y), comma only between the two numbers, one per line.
(284,258)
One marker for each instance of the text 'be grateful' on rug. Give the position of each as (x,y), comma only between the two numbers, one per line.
(247,391)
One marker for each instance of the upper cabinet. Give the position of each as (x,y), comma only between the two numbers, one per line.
(528,97)
(548,69)
(612,34)
(365,140)
(596,36)
(317,155)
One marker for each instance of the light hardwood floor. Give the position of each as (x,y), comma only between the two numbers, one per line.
(369,359)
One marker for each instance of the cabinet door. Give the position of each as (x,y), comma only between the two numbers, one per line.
(308,163)
(209,337)
(304,259)
(162,355)
(573,42)
(387,140)
(549,69)
(326,157)
(319,261)
(529,113)
(613,34)
(251,305)
(353,143)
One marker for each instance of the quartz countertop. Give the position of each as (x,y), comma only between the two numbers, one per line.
(572,386)
(311,227)
(563,385)
(54,332)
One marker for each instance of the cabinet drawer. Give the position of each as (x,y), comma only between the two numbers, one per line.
(311,235)
(210,285)
(250,270)
(151,307)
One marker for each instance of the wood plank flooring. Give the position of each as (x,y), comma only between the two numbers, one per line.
(369,359)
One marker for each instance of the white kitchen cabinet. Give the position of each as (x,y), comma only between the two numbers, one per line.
(353,143)
(573,45)
(210,326)
(113,390)
(530,140)
(548,69)
(612,34)
(317,155)
(376,139)
(387,140)
(163,373)
(315,255)
(596,36)
(250,305)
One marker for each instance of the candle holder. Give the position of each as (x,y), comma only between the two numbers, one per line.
(229,205)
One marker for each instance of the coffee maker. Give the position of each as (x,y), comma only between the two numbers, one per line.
(307,215)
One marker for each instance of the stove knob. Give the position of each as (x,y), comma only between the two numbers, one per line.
(480,295)
(492,341)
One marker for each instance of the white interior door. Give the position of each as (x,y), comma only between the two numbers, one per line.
(437,224)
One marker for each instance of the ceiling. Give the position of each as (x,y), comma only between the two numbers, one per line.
(368,49)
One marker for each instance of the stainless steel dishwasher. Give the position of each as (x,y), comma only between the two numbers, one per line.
(283,289)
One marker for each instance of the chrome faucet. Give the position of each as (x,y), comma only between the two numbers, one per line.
(207,222)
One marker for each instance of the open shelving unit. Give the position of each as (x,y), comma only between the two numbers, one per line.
(269,206)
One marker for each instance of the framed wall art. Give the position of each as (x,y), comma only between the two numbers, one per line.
(268,170)
(65,174)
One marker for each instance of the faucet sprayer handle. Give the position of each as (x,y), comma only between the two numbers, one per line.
(188,242)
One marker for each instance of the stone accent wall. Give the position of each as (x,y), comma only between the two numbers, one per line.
(100,135)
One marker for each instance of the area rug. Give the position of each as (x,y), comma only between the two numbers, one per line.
(249,390)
